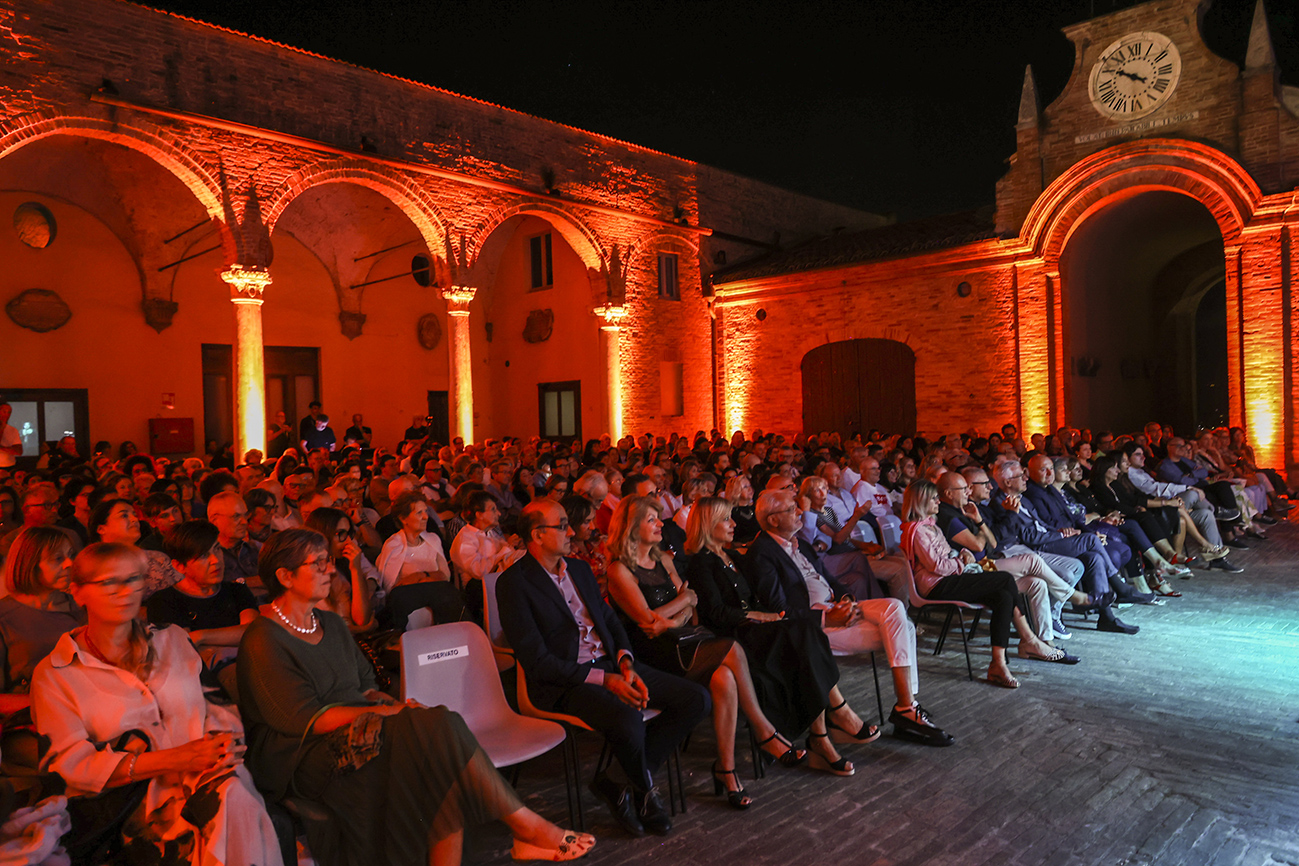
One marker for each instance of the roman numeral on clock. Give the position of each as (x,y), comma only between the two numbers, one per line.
(1162,84)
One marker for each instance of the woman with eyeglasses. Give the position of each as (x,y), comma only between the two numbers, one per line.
(124,710)
(401,781)
(355,581)
(645,589)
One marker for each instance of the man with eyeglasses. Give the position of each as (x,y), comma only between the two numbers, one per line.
(578,660)
(40,503)
(1013,517)
(229,514)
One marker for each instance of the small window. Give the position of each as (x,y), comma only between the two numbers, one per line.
(543,269)
(668,286)
(560,405)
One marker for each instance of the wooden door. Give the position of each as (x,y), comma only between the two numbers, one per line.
(855,385)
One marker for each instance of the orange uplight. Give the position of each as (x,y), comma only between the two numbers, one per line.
(246,288)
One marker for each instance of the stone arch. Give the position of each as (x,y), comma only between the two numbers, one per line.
(153,141)
(486,243)
(664,238)
(856,332)
(396,187)
(1202,172)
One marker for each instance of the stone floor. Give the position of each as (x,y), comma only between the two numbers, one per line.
(1179,745)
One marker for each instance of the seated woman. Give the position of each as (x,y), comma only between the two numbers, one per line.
(739,492)
(355,581)
(33,616)
(645,590)
(793,668)
(412,568)
(1149,517)
(121,704)
(115,521)
(213,611)
(940,575)
(480,549)
(587,544)
(401,781)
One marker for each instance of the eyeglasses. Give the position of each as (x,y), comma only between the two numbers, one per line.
(980,483)
(562,526)
(116,584)
(343,534)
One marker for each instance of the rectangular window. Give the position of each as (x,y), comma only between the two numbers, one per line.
(43,417)
(668,286)
(292,382)
(560,408)
(543,270)
(671,399)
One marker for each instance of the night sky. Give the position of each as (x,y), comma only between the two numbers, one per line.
(903,108)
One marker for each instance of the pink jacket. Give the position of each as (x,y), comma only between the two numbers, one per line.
(931,557)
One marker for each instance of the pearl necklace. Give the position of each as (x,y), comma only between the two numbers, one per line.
(315,623)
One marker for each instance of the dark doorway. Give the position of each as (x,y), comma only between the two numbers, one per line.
(439,416)
(292,382)
(857,385)
(1212,403)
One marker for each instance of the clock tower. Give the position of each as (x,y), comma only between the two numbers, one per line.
(1145,72)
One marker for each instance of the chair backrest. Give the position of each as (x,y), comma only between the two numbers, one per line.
(491,614)
(906,544)
(452,665)
(419,618)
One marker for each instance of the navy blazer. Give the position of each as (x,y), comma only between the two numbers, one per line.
(1051,508)
(778,585)
(541,628)
(1017,527)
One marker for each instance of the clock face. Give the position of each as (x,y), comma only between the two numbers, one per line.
(1135,76)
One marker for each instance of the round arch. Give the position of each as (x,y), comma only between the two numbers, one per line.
(855,332)
(487,242)
(409,198)
(152,141)
(1204,173)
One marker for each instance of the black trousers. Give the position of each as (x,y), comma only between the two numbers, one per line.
(640,747)
(992,589)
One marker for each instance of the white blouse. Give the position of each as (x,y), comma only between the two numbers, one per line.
(399,559)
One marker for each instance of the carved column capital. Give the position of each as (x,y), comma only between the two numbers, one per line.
(458,298)
(246,283)
(613,314)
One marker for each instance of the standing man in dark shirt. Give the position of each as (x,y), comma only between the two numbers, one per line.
(358,433)
(277,436)
(321,435)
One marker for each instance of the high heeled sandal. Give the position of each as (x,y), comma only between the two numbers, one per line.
(738,799)
(840,767)
(1166,590)
(865,734)
(568,849)
(791,757)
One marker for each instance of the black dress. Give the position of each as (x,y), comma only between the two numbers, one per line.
(1130,502)
(697,663)
(790,661)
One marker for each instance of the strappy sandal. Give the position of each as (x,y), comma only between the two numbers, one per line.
(1004,680)
(738,799)
(840,767)
(865,734)
(791,757)
(1166,590)
(570,848)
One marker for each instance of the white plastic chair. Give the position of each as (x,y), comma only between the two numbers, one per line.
(452,665)
(492,624)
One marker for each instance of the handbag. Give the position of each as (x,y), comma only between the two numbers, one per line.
(97,820)
(686,639)
(351,746)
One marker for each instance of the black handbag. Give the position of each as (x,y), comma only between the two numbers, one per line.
(687,640)
(97,821)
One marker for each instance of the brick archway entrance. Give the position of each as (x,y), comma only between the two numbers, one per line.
(854,386)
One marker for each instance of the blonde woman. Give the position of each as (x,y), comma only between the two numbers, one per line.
(645,589)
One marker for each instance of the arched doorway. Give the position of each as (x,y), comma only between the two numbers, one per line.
(1142,280)
(857,385)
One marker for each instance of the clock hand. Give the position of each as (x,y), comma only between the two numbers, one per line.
(1133,76)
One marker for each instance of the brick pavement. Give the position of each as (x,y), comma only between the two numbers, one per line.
(1177,746)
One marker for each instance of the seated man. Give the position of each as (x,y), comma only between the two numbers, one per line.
(578,661)
(229,514)
(1043,589)
(787,576)
(480,549)
(867,489)
(162,513)
(1014,518)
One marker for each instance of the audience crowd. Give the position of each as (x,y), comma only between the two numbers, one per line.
(200,654)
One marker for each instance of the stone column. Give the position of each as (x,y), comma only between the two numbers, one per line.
(246,287)
(612,328)
(462,371)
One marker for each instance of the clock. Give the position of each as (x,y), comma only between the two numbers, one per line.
(1135,76)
